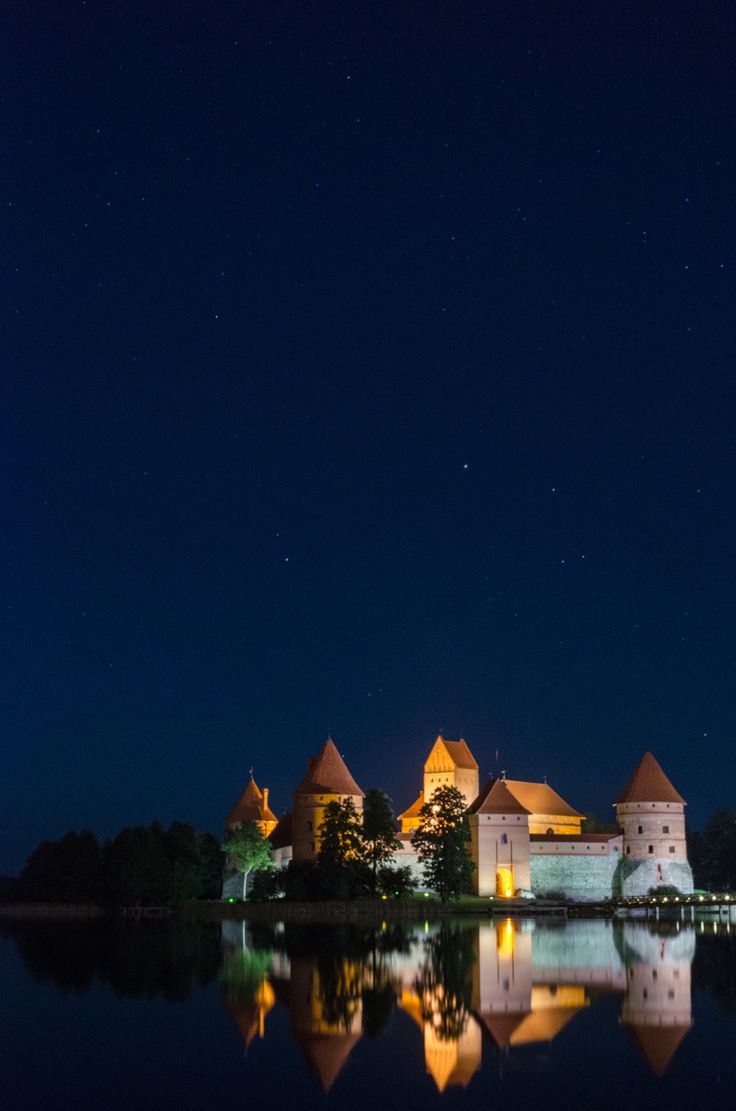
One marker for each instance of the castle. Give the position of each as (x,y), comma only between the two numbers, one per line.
(524,837)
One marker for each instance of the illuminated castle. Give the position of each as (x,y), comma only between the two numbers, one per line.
(524,837)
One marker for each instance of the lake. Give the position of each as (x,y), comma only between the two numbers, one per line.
(510,1013)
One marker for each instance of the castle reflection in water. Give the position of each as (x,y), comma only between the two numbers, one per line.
(493,988)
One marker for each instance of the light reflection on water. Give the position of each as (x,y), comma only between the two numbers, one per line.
(517,982)
(505,1014)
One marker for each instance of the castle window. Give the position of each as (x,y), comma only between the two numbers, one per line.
(654,974)
(550,830)
(504,839)
(503,819)
(640,829)
(672,848)
(670,994)
(628,848)
(645,994)
(651,848)
(665,829)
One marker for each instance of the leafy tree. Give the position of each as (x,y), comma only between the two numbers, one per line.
(138,866)
(713,852)
(340,834)
(396,881)
(341,871)
(65,871)
(182,850)
(209,867)
(378,833)
(441,842)
(249,850)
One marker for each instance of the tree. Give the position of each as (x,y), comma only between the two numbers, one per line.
(138,866)
(65,871)
(378,833)
(340,834)
(713,852)
(249,850)
(341,870)
(441,842)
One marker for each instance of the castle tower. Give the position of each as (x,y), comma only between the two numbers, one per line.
(499,841)
(449,764)
(252,806)
(327,780)
(651,815)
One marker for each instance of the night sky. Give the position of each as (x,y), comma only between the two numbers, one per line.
(368,369)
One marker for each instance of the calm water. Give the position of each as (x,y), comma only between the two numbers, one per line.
(183,1016)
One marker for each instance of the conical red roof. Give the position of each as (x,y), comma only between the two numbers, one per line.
(328,774)
(250,807)
(648,784)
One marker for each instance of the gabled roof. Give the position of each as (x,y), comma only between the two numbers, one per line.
(328,774)
(250,807)
(413,810)
(495,798)
(648,784)
(458,751)
(539,798)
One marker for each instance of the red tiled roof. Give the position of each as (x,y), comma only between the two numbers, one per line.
(539,798)
(328,774)
(413,810)
(577,838)
(250,807)
(495,798)
(459,752)
(648,784)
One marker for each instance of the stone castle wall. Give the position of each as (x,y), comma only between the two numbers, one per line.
(638,876)
(584,878)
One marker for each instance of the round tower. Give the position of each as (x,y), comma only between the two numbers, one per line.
(651,815)
(327,780)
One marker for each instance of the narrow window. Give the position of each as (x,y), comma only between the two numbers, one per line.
(640,829)
(665,829)
(504,839)
(651,848)
(672,848)
(628,848)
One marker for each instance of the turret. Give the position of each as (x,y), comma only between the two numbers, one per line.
(327,780)
(651,815)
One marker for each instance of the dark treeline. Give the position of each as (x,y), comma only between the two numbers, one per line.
(140,866)
(712,853)
(137,960)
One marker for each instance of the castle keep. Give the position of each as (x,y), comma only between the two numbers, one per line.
(524,837)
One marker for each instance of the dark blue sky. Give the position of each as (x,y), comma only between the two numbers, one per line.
(368,368)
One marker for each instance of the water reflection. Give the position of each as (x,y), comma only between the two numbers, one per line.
(517,983)
(450,1000)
